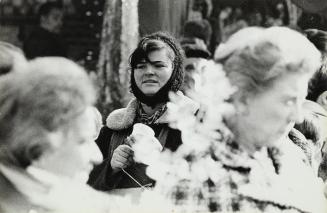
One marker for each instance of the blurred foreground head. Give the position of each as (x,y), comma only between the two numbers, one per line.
(271,68)
(46,120)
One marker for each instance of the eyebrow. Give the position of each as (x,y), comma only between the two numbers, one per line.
(151,62)
(154,62)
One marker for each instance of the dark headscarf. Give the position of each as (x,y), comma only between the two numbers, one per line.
(151,43)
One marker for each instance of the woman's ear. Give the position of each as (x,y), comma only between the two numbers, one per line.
(322,100)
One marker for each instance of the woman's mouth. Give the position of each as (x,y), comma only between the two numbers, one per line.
(149,81)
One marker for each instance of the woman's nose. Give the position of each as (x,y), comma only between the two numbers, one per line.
(149,70)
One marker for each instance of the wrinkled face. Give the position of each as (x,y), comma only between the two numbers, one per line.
(74,152)
(151,75)
(271,114)
(53,20)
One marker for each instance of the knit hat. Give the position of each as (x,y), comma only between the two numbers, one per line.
(198,29)
(195,48)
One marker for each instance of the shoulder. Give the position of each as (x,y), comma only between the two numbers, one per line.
(122,118)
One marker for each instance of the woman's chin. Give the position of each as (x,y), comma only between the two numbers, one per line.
(150,93)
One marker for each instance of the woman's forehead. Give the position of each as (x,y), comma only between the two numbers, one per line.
(162,54)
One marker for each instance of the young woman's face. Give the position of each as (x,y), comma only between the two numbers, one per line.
(150,76)
(271,114)
(74,153)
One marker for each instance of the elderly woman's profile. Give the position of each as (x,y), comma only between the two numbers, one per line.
(47,144)
(271,69)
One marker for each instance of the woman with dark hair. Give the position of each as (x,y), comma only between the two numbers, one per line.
(156,69)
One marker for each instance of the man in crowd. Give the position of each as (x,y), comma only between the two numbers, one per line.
(46,40)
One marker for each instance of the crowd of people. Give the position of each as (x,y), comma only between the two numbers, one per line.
(56,156)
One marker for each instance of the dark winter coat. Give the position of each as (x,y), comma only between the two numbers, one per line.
(44,43)
(119,126)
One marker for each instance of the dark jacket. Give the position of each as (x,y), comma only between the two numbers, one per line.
(119,126)
(44,43)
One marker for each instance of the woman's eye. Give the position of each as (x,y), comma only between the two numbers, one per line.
(160,65)
(141,66)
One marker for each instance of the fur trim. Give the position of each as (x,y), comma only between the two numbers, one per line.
(124,118)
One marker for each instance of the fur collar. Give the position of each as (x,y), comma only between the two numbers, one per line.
(124,118)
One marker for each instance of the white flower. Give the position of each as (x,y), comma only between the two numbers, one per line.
(191,165)
(146,147)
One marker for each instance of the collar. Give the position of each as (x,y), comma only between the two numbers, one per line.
(49,192)
(124,118)
(144,118)
(234,157)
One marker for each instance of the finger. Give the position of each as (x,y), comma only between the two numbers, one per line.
(129,141)
(132,139)
(121,159)
(127,149)
(118,165)
(122,165)
(123,154)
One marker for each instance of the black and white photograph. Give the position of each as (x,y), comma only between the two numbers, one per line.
(163,106)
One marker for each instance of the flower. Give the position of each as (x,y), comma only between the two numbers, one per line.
(182,176)
(146,147)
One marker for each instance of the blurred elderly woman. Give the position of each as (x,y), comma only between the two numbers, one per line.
(271,68)
(47,133)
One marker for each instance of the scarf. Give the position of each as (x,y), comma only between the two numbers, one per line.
(144,118)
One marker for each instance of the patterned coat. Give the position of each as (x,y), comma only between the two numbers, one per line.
(119,126)
(270,180)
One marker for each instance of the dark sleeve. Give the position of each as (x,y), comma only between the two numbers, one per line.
(174,139)
(102,176)
(103,140)
(38,45)
(34,47)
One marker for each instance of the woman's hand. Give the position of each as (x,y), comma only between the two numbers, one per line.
(122,157)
